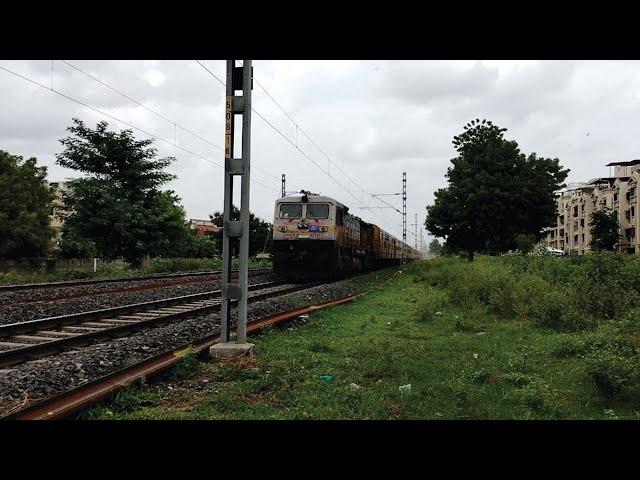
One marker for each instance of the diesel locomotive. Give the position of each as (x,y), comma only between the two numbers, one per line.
(315,236)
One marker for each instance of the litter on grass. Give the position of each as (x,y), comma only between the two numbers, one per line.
(405,388)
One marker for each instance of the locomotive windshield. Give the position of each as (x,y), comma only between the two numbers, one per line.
(317,210)
(290,210)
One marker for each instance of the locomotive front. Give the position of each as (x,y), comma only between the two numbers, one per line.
(304,235)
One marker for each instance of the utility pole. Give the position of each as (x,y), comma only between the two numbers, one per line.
(415,232)
(238,78)
(284,185)
(404,219)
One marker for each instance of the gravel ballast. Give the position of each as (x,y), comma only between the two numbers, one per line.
(22,312)
(39,379)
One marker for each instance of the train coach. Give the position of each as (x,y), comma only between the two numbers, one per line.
(315,236)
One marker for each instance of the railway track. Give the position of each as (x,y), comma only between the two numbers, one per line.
(73,283)
(26,340)
(69,402)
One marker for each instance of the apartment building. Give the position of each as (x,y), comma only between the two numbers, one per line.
(55,220)
(578,201)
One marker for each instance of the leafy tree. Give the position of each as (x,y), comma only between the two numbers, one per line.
(25,204)
(201,246)
(495,192)
(525,242)
(118,209)
(435,247)
(260,232)
(604,227)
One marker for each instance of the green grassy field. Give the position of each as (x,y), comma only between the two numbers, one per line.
(473,341)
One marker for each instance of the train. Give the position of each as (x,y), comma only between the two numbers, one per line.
(315,236)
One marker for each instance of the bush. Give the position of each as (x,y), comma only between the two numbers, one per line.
(432,302)
(564,294)
(612,371)
(538,396)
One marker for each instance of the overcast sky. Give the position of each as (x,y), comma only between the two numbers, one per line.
(374,119)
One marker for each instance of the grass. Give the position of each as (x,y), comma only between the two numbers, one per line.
(467,338)
(159,265)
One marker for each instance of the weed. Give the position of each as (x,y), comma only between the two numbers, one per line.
(431,305)
(539,397)
(319,347)
(481,376)
(612,372)
(186,367)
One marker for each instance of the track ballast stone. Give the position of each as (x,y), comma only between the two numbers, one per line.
(22,312)
(39,379)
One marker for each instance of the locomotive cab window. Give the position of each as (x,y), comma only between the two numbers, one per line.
(317,210)
(290,210)
(338,217)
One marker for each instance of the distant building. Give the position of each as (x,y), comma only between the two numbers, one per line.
(55,217)
(578,201)
(204,227)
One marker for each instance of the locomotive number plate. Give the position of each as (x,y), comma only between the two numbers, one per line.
(228,126)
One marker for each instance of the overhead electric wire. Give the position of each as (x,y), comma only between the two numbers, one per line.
(305,154)
(137,102)
(253,109)
(331,162)
(298,127)
(169,142)
(173,122)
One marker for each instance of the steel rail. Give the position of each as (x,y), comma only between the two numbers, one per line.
(67,403)
(73,283)
(106,323)
(72,401)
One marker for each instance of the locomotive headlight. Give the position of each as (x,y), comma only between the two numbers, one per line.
(323,229)
(282,229)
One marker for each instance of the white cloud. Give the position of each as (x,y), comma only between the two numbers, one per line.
(374,118)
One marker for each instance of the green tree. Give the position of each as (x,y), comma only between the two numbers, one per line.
(495,192)
(117,209)
(525,242)
(604,227)
(260,232)
(435,247)
(25,204)
(201,246)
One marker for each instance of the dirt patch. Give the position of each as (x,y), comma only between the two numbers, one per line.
(244,362)
(395,409)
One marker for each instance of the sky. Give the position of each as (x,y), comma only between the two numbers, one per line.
(372,120)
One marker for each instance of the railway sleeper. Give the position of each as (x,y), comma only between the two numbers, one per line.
(81,329)
(99,325)
(32,338)
(116,321)
(53,333)
(10,345)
